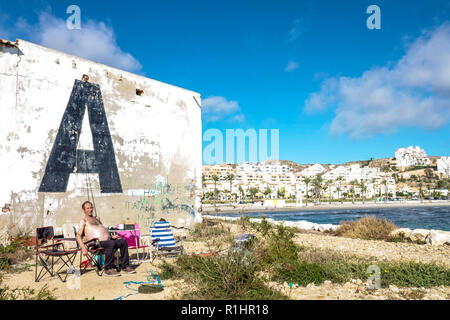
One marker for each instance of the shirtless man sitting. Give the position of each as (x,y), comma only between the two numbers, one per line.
(91,228)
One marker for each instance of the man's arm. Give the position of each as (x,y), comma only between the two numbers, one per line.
(79,237)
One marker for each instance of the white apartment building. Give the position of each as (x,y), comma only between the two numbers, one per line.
(410,156)
(352,172)
(443,166)
(221,171)
(277,176)
(335,173)
(313,170)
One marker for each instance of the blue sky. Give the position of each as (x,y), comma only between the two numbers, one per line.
(336,90)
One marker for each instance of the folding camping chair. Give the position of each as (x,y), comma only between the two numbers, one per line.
(92,259)
(132,235)
(163,241)
(46,254)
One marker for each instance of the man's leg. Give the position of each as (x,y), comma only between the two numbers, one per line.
(124,258)
(109,247)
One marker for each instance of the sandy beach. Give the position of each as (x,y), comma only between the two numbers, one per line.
(239,208)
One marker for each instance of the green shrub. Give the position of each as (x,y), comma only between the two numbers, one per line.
(279,245)
(13,253)
(342,271)
(414,274)
(231,276)
(4,263)
(264,227)
(168,271)
(339,268)
(244,222)
(10,248)
(299,272)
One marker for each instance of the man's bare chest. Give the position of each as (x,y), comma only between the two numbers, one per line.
(92,222)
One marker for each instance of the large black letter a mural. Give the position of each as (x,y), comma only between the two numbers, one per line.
(65,156)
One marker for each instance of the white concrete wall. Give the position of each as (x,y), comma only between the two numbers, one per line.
(156,139)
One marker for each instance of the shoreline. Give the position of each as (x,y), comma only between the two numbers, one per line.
(226,209)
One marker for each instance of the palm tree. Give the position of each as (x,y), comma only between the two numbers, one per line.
(325,187)
(267,191)
(215,178)
(373,187)
(339,180)
(338,189)
(230,177)
(328,185)
(429,187)
(384,182)
(317,183)
(420,191)
(241,191)
(363,187)
(353,183)
(395,176)
(307,181)
(281,193)
(217,193)
(253,192)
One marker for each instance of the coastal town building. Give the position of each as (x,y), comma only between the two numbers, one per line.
(279,179)
(411,156)
(443,166)
(313,170)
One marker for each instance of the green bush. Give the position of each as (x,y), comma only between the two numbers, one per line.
(13,253)
(232,276)
(238,274)
(168,271)
(414,274)
(278,246)
(10,248)
(339,268)
(302,273)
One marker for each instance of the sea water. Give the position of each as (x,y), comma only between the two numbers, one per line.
(437,217)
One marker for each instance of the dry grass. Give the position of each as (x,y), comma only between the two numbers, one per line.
(367,228)
(208,229)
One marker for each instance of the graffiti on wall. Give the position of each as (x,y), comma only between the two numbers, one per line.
(65,158)
(162,198)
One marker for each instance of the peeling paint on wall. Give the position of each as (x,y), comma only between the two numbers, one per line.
(150,147)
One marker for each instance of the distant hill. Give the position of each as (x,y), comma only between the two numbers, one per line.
(371,163)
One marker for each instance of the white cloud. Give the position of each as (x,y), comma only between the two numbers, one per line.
(296,30)
(414,92)
(94,41)
(216,108)
(291,66)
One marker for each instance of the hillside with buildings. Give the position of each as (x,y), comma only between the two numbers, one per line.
(411,174)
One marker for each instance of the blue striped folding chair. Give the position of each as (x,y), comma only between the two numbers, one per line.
(163,241)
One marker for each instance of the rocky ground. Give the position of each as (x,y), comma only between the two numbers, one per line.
(92,286)
(357,290)
(381,250)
